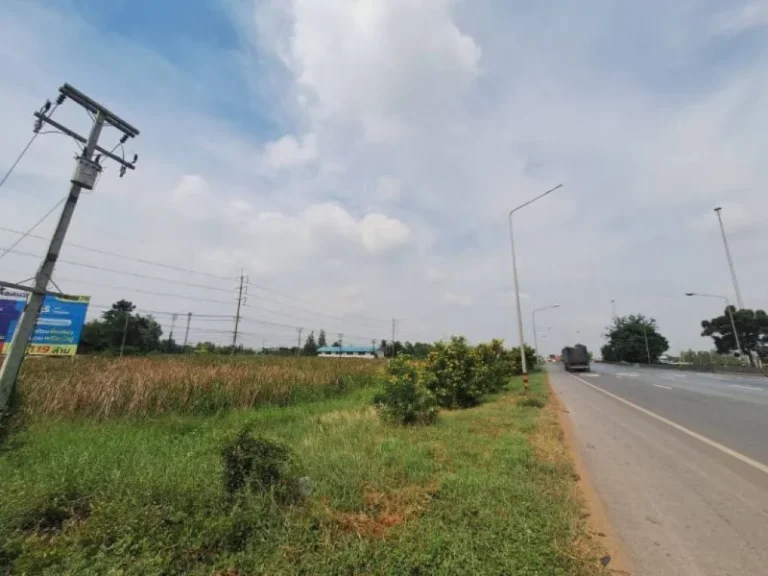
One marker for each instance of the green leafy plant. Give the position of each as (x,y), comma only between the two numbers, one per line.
(259,465)
(455,374)
(405,399)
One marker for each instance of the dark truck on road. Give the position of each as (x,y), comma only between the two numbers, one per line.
(576,358)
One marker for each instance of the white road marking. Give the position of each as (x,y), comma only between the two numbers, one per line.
(665,387)
(724,449)
(592,375)
(745,387)
(627,374)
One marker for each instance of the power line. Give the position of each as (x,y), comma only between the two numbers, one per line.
(31,140)
(150,292)
(123,272)
(35,225)
(117,255)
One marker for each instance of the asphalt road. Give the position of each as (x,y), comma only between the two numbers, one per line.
(680,462)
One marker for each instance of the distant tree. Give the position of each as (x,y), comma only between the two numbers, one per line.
(142,333)
(626,340)
(336,344)
(751,326)
(310,346)
(321,339)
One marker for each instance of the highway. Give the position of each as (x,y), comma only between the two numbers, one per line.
(680,463)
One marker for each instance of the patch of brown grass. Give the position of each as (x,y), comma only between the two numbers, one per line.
(384,510)
(108,387)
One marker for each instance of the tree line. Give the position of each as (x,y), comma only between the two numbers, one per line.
(123,330)
(636,338)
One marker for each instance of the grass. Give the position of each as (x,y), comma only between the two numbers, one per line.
(105,387)
(485,491)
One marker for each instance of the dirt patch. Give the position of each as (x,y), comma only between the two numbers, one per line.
(600,526)
(385,510)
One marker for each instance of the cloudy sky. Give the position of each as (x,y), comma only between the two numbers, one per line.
(358,158)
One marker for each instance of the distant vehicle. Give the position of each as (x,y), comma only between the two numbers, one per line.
(576,358)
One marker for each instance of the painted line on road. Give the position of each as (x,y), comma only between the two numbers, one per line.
(724,449)
(745,387)
(661,386)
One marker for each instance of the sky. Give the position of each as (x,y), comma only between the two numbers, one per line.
(357,160)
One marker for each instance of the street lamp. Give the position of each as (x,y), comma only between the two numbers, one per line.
(730,314)
(517,286)
(533,320)
(736,289)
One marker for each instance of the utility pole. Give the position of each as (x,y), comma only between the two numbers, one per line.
(237,315)
(341,341)
(298,343)
(394,325)
(125,333)
(170,334)
(736,289)
(647,348)
(86,173)
(186,332)
(613,307)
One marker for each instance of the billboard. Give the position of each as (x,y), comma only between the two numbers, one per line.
(57,332)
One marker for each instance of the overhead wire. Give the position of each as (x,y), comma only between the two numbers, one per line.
(32,229)
(117,255)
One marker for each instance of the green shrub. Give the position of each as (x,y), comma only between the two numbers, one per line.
(455,374)
(405,399)
(530,359)
(497,364)
(259,465)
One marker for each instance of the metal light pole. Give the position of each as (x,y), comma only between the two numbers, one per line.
(739,301)
(533,321)
(730,314)
(517,286)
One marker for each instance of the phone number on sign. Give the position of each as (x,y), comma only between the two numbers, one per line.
(49,350)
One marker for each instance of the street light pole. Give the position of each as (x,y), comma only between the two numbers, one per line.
(523,363)
(739,301)
(730,315)
(533,321)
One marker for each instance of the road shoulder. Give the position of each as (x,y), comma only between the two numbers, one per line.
(599,524)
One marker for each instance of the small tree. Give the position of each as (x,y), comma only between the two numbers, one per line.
(310,346)
(627,340)
(321,339)
(751,327)
(405,399)
(454,374)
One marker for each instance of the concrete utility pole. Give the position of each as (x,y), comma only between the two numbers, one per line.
(86,173)
(736,288)
(298,343)
(523,362)
(237,315)
(125,332)
(647,348)
(186,332)
(170,334)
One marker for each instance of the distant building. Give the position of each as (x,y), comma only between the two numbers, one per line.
(349,352)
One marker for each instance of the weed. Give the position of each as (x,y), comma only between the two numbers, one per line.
(258,464)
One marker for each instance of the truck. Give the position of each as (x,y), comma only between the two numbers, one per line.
(576,358)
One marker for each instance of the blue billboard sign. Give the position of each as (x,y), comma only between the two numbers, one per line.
(57,332)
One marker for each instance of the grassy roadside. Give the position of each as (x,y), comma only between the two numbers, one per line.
(488,490)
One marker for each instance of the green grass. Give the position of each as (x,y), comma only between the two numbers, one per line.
(485,491)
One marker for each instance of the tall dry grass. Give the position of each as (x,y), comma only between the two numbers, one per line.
(108,387)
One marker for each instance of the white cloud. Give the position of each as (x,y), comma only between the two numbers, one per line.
(381,233)
(432,274)
(288,152)
(191,197)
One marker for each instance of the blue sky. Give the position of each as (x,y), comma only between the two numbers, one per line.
(363,155)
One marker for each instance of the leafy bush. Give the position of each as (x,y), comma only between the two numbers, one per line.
(498,365)
(405,399)
(455,374)
(530,359)
(259,465)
